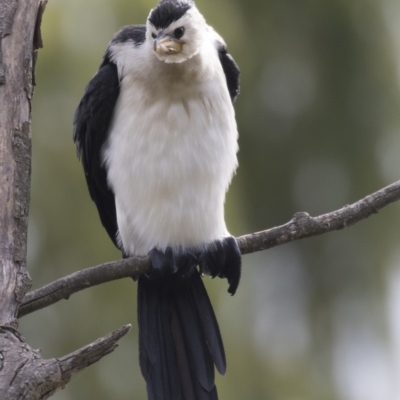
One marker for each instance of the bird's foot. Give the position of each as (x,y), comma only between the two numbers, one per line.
(165,263)
(223,258)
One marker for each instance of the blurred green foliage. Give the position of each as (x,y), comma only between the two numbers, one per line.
(319,126)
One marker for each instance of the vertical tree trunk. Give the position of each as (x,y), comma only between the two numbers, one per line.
(17,26)
(23,373)
(17,23)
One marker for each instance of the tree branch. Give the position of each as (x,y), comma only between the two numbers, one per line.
(35,378)
(82,358)
(64,287)
(301,226)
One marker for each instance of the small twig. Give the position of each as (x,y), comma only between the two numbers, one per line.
(37,37)
(82,358)
(301,226)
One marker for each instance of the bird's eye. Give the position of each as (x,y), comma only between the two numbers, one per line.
(178,32)
(153,35)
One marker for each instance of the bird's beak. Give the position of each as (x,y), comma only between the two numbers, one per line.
(167,44)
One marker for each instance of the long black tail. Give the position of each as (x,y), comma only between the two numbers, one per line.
(179,339)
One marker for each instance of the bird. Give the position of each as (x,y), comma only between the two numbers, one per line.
(157,136)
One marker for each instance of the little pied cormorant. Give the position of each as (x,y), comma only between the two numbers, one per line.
(157,136)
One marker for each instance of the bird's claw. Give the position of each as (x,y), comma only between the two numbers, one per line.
(166,263)
(223,259)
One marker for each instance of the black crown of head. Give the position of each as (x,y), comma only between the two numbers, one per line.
(168,11)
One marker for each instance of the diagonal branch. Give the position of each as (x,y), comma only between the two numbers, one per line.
(301,226)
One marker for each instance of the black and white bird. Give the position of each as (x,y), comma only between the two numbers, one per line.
(157,136)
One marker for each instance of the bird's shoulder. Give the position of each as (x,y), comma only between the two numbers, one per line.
(130,33)
(229,65)
(94,111)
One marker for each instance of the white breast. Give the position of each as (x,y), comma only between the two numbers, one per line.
(171,152)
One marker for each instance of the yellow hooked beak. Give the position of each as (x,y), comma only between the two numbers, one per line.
(168,45)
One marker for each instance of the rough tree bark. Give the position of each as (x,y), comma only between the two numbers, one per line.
(24,374)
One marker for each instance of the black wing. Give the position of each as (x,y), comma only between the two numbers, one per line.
(91,125)
(91,128)
(231,71)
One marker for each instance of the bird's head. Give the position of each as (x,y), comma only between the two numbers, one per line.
(176,29)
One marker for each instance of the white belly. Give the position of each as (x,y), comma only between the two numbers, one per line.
(169,164)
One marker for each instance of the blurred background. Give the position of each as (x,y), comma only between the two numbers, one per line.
(319,128)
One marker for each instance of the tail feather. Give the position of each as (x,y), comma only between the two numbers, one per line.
(179,339)
(200,361)
(209,324)
(183,362)
(169,364)
(156,344)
